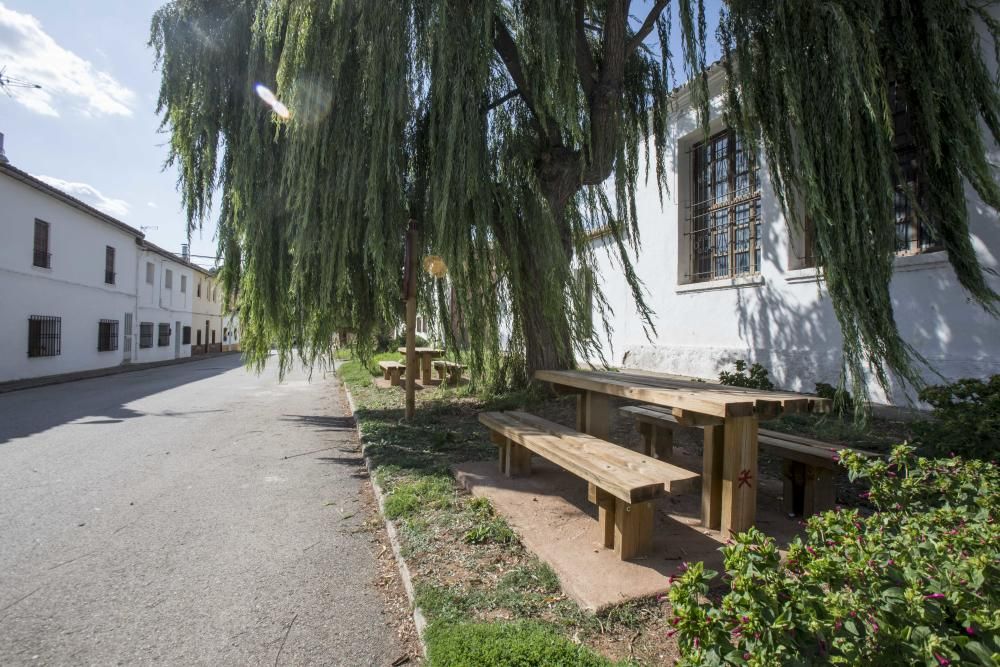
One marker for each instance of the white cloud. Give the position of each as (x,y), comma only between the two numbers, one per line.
(152,204)
(68,81)
(117,208)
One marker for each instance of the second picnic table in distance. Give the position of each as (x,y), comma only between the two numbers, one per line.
(729,416)
(426,355)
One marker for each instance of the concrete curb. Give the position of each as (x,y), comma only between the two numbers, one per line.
(63,378)
(419,619)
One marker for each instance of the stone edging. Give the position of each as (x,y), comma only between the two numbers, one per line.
(419,619)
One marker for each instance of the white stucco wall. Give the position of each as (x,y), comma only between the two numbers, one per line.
(73,289)
(782,318)
(162,305)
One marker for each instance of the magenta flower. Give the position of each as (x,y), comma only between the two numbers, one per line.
(934,596)
(969,631)
(942,660)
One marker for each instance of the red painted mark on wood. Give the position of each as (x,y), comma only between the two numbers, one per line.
(744,478)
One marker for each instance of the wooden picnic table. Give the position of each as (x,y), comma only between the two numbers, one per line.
(729,417)
(426,355)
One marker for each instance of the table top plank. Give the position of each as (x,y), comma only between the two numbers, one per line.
(701,397)
(432,351)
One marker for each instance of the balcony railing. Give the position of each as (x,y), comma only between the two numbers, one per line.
(42,259)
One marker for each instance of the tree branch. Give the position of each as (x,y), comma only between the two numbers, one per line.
(647,25)
(503,98)
(503,44)
(584,58)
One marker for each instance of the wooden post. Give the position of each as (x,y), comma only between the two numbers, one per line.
(711,477)
(593,417)
(605,514)
(633,529)
(410,294)
(739,475)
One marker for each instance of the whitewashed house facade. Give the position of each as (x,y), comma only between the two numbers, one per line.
(727,278)
(67,281)
(165,299)
(82,291)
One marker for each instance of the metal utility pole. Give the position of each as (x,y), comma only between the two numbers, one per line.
(410,296)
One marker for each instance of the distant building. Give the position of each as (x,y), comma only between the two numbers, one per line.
(80,290)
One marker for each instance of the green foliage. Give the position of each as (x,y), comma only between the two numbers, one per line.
(843,402)
(917,583)
(812,83)
(966,419)
(756,378)
(520,644)
(430,492)
(488,526)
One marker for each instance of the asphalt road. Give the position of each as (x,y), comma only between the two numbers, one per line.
(154,517)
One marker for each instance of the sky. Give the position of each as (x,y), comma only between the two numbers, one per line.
(92,129)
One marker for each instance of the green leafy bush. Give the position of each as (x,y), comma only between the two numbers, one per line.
(966,419)
(916,583)
(756,378)
(843,402)
(522,644)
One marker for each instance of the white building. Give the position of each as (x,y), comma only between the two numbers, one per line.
(80,290)
(165,299)
(68,281)
(727,279)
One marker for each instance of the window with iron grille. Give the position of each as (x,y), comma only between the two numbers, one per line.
(145,334)
(149,273)
(163,336)
(199,289)
(724,218)
(41,256)
(109,265)
(912,236)
(168,279)
(44,336)
(107,335)
(186,336)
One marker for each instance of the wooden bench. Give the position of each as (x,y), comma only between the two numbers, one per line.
(621,482)
(392,371)
(809,467)
(452,370)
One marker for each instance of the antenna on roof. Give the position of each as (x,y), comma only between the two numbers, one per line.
(8,83)
(145,228)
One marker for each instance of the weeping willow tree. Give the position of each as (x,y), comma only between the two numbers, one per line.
(511,130)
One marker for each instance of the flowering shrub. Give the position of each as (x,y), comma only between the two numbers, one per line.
(916,583)
(966,419)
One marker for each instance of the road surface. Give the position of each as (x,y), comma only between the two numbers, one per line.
(154,517)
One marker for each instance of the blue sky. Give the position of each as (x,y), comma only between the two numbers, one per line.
(92,130)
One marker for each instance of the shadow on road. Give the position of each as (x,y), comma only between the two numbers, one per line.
(322,423)
(101,400)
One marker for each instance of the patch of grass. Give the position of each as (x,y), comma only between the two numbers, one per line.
(488,526)
(520,644)
(430,492)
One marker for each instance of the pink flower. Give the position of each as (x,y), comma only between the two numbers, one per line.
(941,660)
(934,596)
(969,631)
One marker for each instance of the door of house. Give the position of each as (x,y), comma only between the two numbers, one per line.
(127,343)
(177,340)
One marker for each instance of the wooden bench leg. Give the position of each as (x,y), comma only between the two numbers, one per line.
(605,514)
(518,460)
(385,373)
(711,478)
(455,376)
(793,480)
(440,371)
(633,529)
(425,368)
(501,443)
(739,475)
(394,377)
(820,492)
(657,441)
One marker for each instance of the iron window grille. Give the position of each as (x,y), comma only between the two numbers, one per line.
(107,335)
(41,256)
(186,336)
(44,336)
(109,265)
(724,220)
(145,334)
(163,335)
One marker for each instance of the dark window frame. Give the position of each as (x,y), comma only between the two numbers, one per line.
(44,336)
(150,273)
(185,335)
(724,216)
(163,335)
(107,335)
(109,265)
(41,257)
(145,335)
